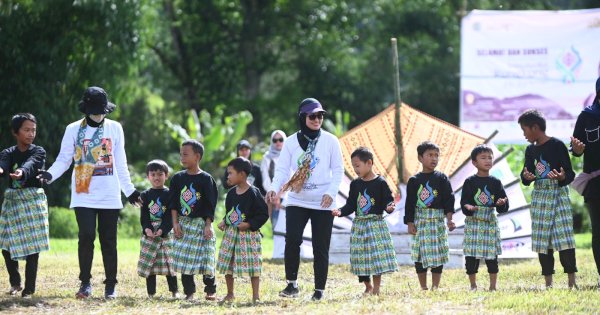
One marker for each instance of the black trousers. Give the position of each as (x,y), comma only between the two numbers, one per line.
(107,231)
(567,260)
(593,206)
(14,277)
(472,265)
(189,285)
(322,223)
(419,268)
(151,284)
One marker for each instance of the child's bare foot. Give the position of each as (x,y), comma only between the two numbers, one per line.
(424,288)
(434,288)
(211,297)
(473,288)
(229,298)
(376,291)
(492,289)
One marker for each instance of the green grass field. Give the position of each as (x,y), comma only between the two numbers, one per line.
(519,283)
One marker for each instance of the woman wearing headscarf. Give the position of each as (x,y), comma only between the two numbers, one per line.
(267,169)
(96,145)
(586,142)
(314,157)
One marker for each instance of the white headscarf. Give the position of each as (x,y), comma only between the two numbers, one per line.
(273,153)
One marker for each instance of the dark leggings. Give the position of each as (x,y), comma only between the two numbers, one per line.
(593,206)
(365,278)
(567,260)
(31,267)
(472,265)
(189,286)
(419,268)
(151,284)
(322,223)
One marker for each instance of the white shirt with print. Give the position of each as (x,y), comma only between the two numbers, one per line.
(324,177)
(111,175)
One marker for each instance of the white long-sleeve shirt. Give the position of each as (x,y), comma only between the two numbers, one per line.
(325,176)
(111,175)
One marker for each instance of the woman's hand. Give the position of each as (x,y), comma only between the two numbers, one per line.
(326,201)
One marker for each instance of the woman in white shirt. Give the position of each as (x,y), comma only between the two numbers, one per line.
(267,170)
(315,158)
(97,147)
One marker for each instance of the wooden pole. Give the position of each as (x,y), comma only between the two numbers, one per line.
(399,150)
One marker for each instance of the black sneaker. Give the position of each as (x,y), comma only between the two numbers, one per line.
(317,296)
(289,291)
(85,290)
(109,292)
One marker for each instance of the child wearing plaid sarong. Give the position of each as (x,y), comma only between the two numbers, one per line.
(24,215)
(482,195)
(371,248)
(246,211)
(429,198)
(548,165)
(155,244)
(192,202)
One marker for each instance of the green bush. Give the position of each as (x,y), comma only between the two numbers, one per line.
(129,222)
(62,223)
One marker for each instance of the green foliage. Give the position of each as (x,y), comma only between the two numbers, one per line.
(129,222)
(340,126)
(62,223)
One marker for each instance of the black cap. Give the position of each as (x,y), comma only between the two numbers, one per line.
(244,144)
(95,102)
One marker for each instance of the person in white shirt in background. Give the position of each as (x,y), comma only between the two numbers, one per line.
(315,157)
(267,170)
(97,147)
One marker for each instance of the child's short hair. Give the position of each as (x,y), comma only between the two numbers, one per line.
(426,145)
(480,148)
(196,146)
(157,165)
(18,119)
(363,154)
(241,164)
(532,117)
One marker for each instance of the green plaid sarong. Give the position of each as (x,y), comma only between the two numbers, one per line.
(371,248)
(24,222)
(430,245)
(192,254)
(482,234)
(155,255)
(551,217)
(240,253)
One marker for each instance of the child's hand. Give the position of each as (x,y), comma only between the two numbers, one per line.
(208,234)
(177,230)
(221,226)
(244,226)
(149,233)
(501,201)
(158,233)
(577,145)
(451,225)
(560,176)
(528,175)
(1,171)
(412,229)
(336,212)
(471,207)
(390,207)
(18,174)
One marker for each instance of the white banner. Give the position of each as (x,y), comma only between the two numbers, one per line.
(515,60)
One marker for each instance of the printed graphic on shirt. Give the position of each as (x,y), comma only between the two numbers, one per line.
(102,154)
(16,184)
(542,168)
(234,217)
(314,160)
(425,195)
(365,202)
(484,198)
(157,209)
(188,198)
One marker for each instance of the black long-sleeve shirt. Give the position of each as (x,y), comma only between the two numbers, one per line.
(483,192)
(248,207)
(194,196)
(587,130)
(30,161)
(154,208)
(254,179)
(368,197)
(428,190)
(542,159)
